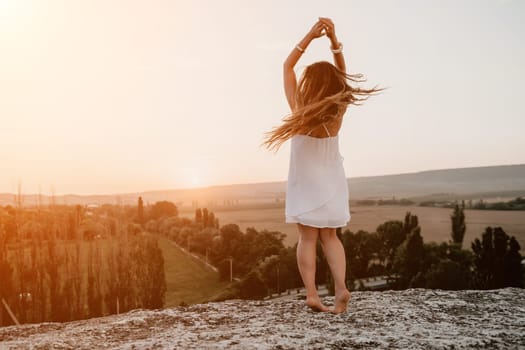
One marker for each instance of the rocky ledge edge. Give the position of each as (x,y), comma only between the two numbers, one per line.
(407,319)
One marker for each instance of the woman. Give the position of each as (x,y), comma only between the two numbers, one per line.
(317,192)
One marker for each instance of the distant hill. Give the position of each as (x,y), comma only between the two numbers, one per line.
(504,180)
(490,179)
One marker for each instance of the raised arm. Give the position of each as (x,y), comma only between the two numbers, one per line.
(290,80)
(336,46)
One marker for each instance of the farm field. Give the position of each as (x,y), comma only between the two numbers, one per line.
(187,280)
(435,222)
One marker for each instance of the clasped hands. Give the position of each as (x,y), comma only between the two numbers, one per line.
(323,26)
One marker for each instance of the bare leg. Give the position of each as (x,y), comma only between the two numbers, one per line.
(335,256)
(306,256)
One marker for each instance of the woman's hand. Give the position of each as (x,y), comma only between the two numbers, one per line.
(330,33)
(290,80)
(329,27)
(317,30)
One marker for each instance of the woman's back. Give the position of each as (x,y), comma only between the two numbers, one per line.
(317,192)
(327,129)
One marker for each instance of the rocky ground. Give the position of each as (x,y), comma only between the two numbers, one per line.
(409,319)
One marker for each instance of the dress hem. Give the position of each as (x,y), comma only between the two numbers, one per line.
(294,221)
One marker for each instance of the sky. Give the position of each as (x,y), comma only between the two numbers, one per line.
(114,96)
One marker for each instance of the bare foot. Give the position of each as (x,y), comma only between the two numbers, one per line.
(316,305)
(341,302)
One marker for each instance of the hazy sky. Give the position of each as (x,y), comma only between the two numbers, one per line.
(115,96)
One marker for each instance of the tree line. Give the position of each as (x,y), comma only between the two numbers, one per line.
(517,203)
(263,265)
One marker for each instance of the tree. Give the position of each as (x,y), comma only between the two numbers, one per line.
(140,212)
(198,215)
(411,222)
(94,292)
(497,261)
(514,268)
(148,266)
(111,294)
(392,234)
(211,220)
(458,223)
(445,274)
(163,208)
(124,278)
(446,266)
(158,277)
(6,275)
(230,237)
(408,261)
(205,216)
(202,240)
(360,248)
(53,263)
(288,270)
(252,286)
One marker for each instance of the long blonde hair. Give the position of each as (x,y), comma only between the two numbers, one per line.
(322,95)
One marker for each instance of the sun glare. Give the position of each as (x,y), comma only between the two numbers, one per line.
(195,181)
(193,176)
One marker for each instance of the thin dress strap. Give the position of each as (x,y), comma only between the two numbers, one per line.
(326,129)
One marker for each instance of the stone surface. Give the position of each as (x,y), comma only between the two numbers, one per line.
(409,319)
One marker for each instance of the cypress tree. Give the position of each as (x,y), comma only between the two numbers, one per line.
(198,215)
(205,216)
(140,212)
(458,223)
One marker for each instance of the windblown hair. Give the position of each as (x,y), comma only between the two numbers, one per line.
(322,95)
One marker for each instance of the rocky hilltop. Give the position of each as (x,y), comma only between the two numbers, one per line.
(409,319)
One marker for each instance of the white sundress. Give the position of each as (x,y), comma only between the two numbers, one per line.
(317,189)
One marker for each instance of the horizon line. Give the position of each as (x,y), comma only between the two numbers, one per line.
(246,183)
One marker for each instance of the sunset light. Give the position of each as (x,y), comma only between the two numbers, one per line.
(299,174)
(195,180)
(131,93)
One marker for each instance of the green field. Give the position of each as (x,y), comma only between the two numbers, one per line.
(434,222)
(188,280)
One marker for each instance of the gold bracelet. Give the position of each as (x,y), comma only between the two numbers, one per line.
(299,48)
